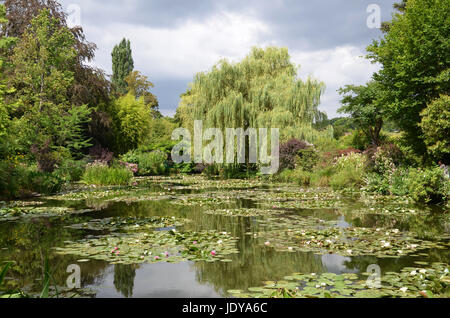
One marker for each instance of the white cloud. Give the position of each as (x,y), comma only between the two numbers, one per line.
(343,65)
(182,51)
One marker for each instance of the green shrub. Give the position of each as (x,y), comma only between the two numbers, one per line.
(308,158)
(17,181)
(70,170)
(44,183)
(429,186)
(377,183)
(349,172)
(149,163)
(99,174)
(321,177)
(298,176)
(346,179)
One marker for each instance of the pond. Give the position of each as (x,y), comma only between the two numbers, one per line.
(192,237)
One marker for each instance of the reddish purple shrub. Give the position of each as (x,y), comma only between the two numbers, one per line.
(98,153)
(289,152)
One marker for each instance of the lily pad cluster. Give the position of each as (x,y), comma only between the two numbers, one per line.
(16,213)
(409,283)
(243,212)
(348,242)
(130,224)
(153,247)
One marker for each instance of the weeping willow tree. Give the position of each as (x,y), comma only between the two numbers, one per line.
(261,91)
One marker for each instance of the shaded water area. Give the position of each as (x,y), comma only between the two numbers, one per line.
(27,241)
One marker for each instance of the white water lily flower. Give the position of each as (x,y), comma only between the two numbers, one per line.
(349,251)
(413,273)
(220,242)
(400,251)
(323,284)
(313,274)
(290,248)
(423,271)
(404,289)
(396,231)
(387,244)
(329,241)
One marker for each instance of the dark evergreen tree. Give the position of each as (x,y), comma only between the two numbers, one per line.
(122,65)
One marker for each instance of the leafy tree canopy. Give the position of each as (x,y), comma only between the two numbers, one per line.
(260,91)
(414,55)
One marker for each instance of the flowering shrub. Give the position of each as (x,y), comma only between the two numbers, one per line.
(146,163)
(387,177)
(351,161)
(349,171)
(130,166)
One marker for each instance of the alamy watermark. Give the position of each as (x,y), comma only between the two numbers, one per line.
(213,153)
(374,280)
(374,18)
(74,279)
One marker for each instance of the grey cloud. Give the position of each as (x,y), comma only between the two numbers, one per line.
(298,24)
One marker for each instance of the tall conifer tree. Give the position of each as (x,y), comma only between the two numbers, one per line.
(122,65)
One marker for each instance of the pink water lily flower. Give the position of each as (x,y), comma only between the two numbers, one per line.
(213,253)
(195,242)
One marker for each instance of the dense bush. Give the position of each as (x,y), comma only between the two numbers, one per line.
(148,163)
(289,152)
(436,128)
(429,186)
(70,170)
(308,158)
(101,174)
(131,120)
(20,180)
(298,176)
(349,172)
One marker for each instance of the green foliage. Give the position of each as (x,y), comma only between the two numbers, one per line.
(43,63)
(349,172)
(70,170)
(132,122)
(161,132)
(122,65)
(414,55)
(342,125)
(260,91)
(429,186)
(365,105)
(308,159)
(149,163)
(139,86)
(298,176)
(19,180)
(100,174)
(436,128)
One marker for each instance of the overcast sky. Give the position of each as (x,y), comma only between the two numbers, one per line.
(174,39)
